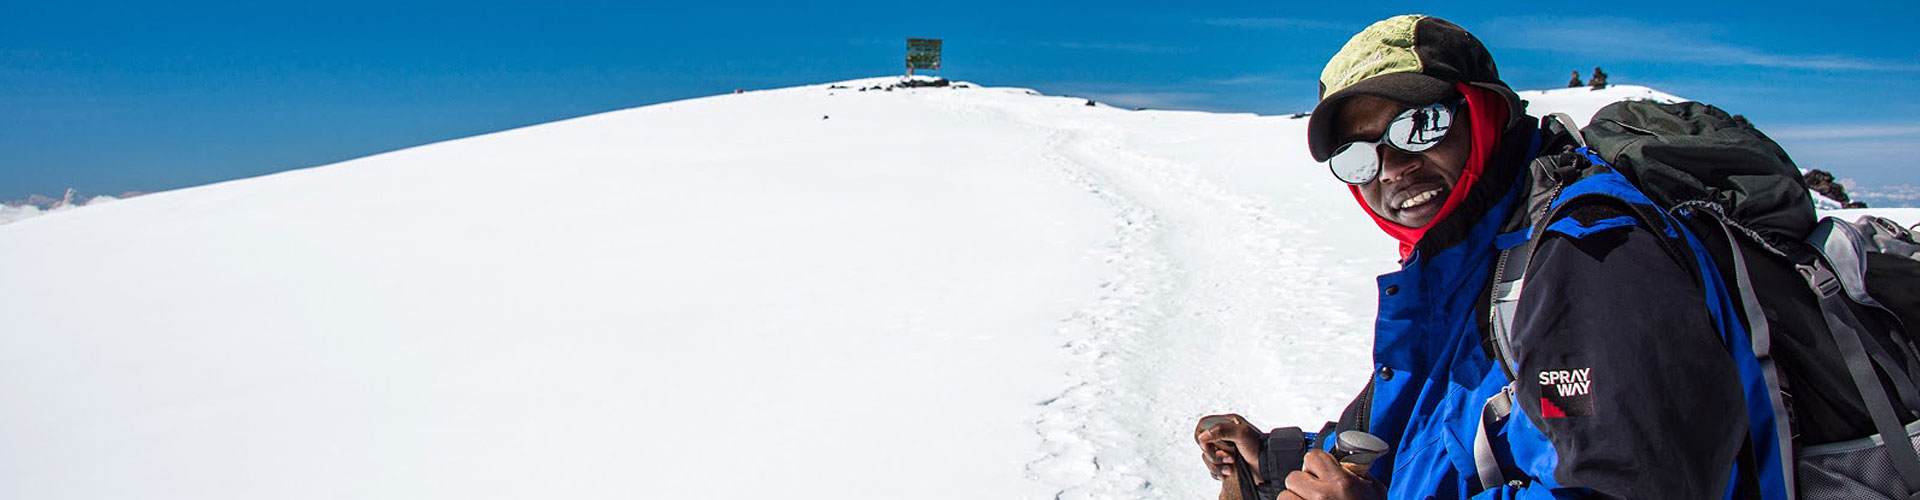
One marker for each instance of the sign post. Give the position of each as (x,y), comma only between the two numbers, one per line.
(922,53)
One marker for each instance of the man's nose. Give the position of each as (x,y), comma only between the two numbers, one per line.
(1395,163)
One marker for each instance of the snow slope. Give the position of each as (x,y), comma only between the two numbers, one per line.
(809,292)
(1581,103)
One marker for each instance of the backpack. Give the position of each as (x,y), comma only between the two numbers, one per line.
(1824,304)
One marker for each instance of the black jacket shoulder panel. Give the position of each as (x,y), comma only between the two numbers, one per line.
(1621,367)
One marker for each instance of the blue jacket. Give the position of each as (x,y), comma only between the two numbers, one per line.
(1631,381)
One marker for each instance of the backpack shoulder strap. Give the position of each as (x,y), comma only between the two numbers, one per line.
(1563,123)
(1510,266)
(1509,273)
(1760,337)
(1503,300)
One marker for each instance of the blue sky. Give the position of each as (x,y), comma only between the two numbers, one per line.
(112,97)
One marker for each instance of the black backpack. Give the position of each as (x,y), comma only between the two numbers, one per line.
(1827,303)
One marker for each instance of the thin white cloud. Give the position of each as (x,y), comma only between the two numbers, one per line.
(1874,159)
(1903,194)
(1289,23)
(1621,38)
(1843,132)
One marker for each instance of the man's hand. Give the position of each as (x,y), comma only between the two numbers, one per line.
(1323,478)
(1227,430)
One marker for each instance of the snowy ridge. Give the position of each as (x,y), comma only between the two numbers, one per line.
(955,292)
(1581,102)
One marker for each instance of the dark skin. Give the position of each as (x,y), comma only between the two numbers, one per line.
(1323,478)
(1410,190)
(1404,178)
(1241,434)
(1320,478)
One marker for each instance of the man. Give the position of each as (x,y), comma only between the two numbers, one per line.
(1622,388)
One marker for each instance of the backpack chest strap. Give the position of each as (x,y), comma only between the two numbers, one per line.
(1493,414)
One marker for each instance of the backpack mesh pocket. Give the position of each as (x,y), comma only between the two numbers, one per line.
(1856,469)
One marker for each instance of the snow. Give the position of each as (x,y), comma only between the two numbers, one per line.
(809,292)
(1822,202)
(1581,103)
(1905,216)
(10,213)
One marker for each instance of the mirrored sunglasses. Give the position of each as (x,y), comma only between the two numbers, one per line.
(1412,131)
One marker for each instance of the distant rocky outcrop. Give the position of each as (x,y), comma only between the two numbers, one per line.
(42,201)
(1822,182)
(936,82)
(70,198)
(913,82)
(35,205)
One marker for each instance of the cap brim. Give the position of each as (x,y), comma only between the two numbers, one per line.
(1407,89)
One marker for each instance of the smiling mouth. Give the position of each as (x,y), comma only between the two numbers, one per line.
(1420,199)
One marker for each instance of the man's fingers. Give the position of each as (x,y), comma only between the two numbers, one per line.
(1302,483)
(1219,463)
(1322,465)
(1208,435)
(1221,437)
(1212,424)
(1322,477)
(1213,468)
(1222,432)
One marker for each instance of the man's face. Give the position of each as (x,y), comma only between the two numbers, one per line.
(1411,186)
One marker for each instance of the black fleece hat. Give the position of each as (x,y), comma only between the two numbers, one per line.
(1411,59)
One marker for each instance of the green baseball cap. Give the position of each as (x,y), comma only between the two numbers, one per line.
(1411,59)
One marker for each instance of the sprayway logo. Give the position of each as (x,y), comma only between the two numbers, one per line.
(1566,393)
(1568,382)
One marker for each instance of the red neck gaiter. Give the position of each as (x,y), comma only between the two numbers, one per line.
(1487,111)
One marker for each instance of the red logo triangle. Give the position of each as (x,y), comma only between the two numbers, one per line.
(1548,410)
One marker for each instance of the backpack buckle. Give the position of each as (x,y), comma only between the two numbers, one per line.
(1822,279)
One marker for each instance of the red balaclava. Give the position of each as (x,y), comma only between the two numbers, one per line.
(1488,111)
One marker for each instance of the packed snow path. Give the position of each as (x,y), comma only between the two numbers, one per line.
(1215,303)
(812,292)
